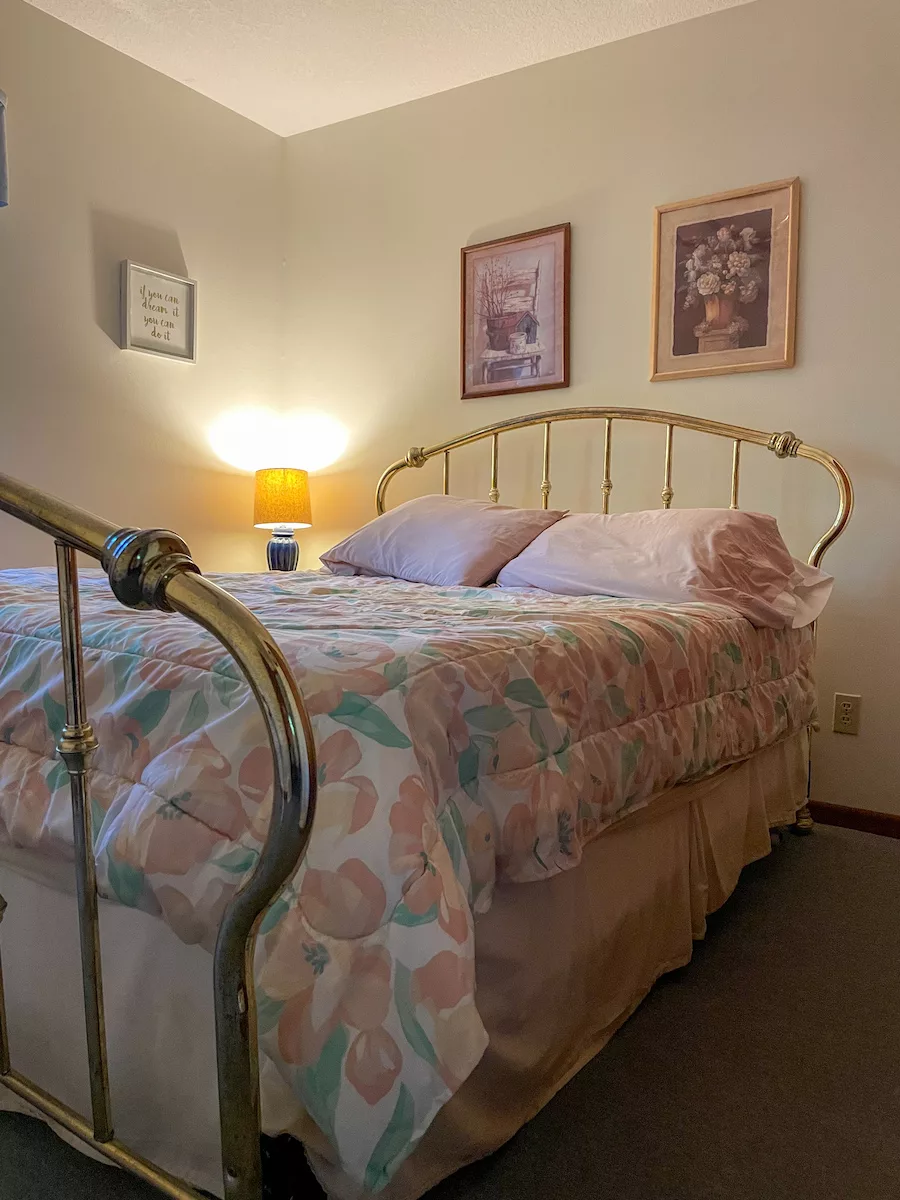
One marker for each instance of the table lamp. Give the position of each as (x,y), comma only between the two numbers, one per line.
(282,505)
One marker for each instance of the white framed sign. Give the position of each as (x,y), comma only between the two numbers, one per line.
(158,312)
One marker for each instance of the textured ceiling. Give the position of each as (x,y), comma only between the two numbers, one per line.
(293,65)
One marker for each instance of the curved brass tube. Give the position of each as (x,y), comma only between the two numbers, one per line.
(783,445)
(153,569)
(69,524)
(294,755)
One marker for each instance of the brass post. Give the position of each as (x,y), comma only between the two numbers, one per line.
(4,1034)
(494,493)
(735,472)
(606,486)
(446,472)
(667,493)
(545,482)
(76,746)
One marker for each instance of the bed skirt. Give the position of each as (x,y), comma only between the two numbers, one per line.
(561,964)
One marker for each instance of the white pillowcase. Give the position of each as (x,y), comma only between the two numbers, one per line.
(444,540)
(810,590)
(719,556)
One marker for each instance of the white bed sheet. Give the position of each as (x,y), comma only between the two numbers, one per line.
(159,1022)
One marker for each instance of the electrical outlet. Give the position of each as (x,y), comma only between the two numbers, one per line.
(846,713)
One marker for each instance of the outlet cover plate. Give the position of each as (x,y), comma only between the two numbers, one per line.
(846,713)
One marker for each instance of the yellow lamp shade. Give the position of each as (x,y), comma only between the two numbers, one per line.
(282,499)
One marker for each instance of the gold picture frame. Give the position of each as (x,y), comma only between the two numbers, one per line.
(725,282)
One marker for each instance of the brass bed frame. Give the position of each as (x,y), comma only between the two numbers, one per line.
(153,569)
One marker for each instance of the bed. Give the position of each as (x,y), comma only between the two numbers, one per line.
(479,763)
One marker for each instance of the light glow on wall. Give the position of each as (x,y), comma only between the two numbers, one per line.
(252,439)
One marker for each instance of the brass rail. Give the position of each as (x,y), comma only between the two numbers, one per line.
(783,445)
(153,569)
(76,746)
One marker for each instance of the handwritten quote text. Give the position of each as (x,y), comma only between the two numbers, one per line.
(161,311)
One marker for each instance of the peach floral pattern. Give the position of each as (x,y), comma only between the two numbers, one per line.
(464,736)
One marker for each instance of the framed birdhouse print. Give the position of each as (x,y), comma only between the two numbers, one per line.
(515,314)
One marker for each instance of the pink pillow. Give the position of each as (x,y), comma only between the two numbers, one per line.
(721,556)
(443,540)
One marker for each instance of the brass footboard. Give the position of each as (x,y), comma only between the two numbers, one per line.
(153,569)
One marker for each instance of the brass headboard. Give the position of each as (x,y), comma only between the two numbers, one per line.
(783,445)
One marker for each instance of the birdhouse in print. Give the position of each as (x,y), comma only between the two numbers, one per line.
(514,317)
(502,330)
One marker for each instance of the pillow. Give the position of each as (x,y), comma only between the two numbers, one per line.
(443,540)
(721,556)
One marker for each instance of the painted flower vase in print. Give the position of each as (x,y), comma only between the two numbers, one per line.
(719,311)
(498,330)
(722,272)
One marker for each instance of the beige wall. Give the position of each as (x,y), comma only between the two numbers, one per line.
(379,207)
(110,160)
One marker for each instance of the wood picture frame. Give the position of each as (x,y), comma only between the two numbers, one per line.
(725,282)
(158,312)
(514,313)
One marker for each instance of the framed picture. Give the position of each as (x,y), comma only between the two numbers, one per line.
(515,314)
(158,312)
(725,282)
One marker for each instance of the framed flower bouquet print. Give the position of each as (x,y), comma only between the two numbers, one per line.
(515,314)
(725,282)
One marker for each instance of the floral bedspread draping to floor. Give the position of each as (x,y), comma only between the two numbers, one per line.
(463,735)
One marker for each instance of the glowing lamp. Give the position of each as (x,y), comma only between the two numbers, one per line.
(281,504)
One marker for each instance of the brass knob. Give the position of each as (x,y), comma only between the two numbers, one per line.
(140,562)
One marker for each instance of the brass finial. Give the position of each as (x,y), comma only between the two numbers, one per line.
(784,445)
(140,562)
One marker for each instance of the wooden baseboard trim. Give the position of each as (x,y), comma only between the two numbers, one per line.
(865,819)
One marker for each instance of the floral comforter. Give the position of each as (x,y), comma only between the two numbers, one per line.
(464,736)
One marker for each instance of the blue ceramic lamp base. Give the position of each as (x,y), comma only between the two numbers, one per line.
(282,551)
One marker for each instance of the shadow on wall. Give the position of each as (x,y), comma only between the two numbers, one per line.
(115,238)
(215,499)
(342,501)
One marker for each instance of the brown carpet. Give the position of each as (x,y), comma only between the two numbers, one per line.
(768,1069)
